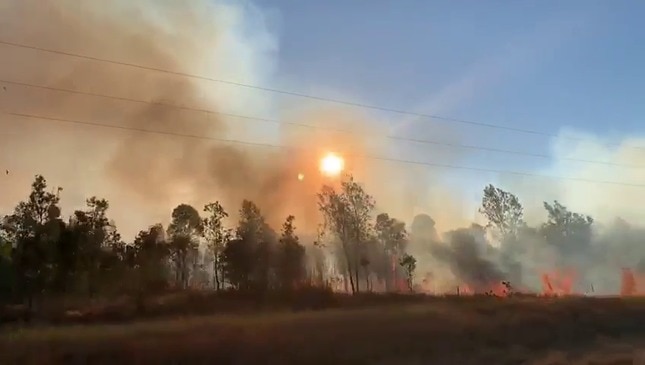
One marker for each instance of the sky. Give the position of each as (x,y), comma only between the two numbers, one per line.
(574,63)
(549,66)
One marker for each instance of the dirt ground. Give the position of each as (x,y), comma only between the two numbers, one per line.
(484,330)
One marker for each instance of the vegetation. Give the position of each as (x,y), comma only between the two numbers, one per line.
(46,257)
(459,330)
(80,270)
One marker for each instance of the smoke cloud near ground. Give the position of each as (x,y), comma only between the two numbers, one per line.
(592,263)
(145,175)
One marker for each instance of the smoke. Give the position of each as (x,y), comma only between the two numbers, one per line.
(617,231)
(590,257)
(465,254)
(144,175)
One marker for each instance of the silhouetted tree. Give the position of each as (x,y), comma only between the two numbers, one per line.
(409,263)
(6,270)
(146,260)
(94,234)
(317,264)
(392,238)
(291,265)
(503,212)
(249,258)
(347,214)
(567,231)
(27,230)
(184,228)
(216,236)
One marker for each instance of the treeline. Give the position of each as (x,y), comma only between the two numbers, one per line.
(44,255)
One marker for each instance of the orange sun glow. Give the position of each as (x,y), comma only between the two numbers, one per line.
(332,164)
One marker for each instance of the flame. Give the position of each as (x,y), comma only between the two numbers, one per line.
(632,283)
(558,283)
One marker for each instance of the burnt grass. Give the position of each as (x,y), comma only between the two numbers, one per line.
(322,328)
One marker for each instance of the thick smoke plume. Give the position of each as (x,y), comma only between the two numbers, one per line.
(144,175)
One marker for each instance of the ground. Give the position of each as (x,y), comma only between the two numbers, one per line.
(464,330)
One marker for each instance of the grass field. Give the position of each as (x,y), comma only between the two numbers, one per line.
(456,330)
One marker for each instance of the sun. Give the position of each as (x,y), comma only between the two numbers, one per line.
(332,164)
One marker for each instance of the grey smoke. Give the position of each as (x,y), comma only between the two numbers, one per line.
(143,175)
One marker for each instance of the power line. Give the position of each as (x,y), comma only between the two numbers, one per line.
(396,138)
(290,93)
(378,158)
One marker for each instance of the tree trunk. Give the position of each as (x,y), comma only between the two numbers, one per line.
(177,272)
(367,280)
(349,269)
(395,276)
(216,265)
(351,281)
(184,274)
(356,276)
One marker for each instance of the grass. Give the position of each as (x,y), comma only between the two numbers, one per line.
(464,330)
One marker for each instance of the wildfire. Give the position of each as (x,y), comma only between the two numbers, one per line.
(632,283)
(557,283)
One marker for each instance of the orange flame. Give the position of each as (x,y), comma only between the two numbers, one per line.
(558,283)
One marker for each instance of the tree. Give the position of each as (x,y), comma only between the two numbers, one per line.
(409,263)
(347,214)
(391,233)
(291,266)
(569,232)
(392,238)
(145,262)
(503,211)
(148,257)
(216,236)
(317,256)
(95,238)
(32,238)
(248,259)
(185,226)
(6,270)
(65,278)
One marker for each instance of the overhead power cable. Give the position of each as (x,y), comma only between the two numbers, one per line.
(291,93)
(304,125)
(378,158)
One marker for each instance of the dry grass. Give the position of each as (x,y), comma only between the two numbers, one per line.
(366,331)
